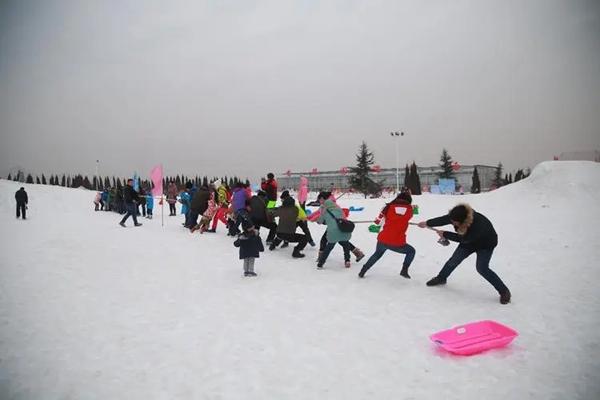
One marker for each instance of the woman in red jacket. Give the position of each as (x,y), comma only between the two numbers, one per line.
(392,237)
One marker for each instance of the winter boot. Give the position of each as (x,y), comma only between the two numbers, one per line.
(319,255)
(249,273)
(211,230)
(435,281)
(296,253)
(347,264)
(312,243)
(120,223)
(138,224)
(363,271)
(358,254)
(505,297)
(285,244)
(404,272)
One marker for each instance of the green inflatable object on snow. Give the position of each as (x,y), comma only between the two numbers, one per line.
(415,209)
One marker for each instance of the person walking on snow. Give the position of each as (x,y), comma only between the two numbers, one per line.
(475,234)
(392,237)
(21,198)
(130,198)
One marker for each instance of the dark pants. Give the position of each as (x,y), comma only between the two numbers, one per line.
(293,238)
(191,219)
(329,246)
(172,209)
(21,207)
(348,247)
(143,209)
(382,248)
(150,212)
(271,226)
(482,265)
(131,210)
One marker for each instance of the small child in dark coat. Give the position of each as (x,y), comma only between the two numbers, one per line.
(250,245)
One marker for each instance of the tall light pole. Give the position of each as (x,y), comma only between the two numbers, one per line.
(397,135)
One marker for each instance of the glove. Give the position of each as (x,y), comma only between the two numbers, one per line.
(374,228)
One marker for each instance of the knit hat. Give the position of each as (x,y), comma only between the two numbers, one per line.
(285,194)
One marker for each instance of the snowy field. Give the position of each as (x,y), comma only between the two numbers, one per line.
(89,310)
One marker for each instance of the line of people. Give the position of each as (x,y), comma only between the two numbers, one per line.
(244,213)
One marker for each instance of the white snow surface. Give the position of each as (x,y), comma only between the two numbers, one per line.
(89,310)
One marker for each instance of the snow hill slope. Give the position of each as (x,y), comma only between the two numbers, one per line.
(89,310)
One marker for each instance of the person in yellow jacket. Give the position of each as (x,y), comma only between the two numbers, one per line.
(301,221)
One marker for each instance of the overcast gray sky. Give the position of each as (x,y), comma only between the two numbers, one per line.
(246,87)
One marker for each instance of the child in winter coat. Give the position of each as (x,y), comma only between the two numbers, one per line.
(250,245)
(392,237)
(149,204)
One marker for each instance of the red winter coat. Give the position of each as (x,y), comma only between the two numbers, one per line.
(394,229)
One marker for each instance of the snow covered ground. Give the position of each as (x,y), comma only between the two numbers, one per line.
(89,310)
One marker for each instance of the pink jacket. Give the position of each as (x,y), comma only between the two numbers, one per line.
(303,190)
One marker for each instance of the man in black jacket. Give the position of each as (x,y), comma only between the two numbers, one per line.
(476,234)
(21,198)
(130,198)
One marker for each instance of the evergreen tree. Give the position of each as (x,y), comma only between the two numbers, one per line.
(37,180)
(519,175)
(360,180)
(51,179)
(63,181)
(247,182)
(510,178)
(178,181)
(498,181)
(29,179)
(9,177)
(414,181)
(205,181)
(43,179)
(86,183)
(406,176)
(118,185)
(476,183)
(446,165)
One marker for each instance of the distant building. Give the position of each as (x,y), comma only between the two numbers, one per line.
(588,155)
(325,180)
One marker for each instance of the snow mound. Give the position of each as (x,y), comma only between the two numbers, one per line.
(90,310)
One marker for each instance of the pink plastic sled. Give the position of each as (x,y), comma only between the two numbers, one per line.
(474,337)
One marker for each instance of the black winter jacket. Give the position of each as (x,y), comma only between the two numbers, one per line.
(250,245)
(21,196)
(130,195)
(258,209)
(200,200)
(479,235)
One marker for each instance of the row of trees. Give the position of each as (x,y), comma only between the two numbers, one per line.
(362,182)
(99,183)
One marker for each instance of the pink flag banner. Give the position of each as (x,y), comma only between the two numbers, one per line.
(156,175)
